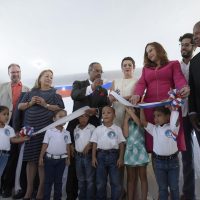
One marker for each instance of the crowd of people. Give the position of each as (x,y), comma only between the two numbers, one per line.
(110,144)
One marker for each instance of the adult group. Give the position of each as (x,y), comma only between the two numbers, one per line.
(37,107)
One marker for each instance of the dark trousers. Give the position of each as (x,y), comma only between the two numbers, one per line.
(188,161)
(72,182)
(54,169)
(8,177)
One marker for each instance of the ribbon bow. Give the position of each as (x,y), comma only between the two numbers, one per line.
(26,131)
(175,98)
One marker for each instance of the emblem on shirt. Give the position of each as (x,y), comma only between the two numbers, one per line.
(111,134)
(7,132)
(170,134)
(77,135)
(65,138)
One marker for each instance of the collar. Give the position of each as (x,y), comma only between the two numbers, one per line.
(16,84)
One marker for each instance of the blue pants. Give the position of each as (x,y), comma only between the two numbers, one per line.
(54,169)
(107,165)
(188,162)
(167,175)
(86,176)
(3,162)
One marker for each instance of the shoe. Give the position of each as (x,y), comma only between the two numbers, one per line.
(19,195)
(6,194)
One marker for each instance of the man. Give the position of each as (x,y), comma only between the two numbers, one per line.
(187,49)
(9,95)
(86,93)
(194,82)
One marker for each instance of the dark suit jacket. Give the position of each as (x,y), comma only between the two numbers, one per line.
(194,83)
(97,99)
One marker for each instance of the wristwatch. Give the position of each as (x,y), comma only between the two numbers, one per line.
(47,105)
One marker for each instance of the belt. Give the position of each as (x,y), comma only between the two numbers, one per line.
(82,154)
(108,150)
(170,157)
(48,155)
(4,152)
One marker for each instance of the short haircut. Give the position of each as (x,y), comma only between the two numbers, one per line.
(12,65)
(187,35)
(162,109)
(91,66)
(109,107)
(57,111)
(2,108)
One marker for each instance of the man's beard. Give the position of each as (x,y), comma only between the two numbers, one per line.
(187,55)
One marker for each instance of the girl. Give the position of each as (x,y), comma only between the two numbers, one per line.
(7,135)
(55,148)
(136,157)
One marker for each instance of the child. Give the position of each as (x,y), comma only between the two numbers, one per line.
(83,157)
(107,155)
(7,135)
(56,145)
(165,151)
(136,157)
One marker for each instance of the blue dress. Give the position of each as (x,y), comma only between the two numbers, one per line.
(135,152)
(38,117)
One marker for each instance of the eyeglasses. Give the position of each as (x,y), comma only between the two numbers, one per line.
(15,72)
(185,45)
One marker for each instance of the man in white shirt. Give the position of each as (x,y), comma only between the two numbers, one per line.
(187,49)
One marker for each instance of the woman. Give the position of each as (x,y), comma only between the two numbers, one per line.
(159,75)
(39,105)
(124,87)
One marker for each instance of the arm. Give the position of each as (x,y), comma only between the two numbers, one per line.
(94,152)
(43,151)
(143,118)
(121,155)
(131,112)
(174,122)
(87,148)
(18,139)
(126,125)
(68,153)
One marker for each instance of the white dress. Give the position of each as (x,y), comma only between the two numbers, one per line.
(124,87)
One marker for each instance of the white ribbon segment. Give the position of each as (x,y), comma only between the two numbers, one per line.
(63,120)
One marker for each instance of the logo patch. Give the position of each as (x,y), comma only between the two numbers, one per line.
(111,134)
(7,132)
(169,134)
(77,135)
(66,138)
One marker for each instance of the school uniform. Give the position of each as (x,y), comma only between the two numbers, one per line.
(55,160)
(84,170)
(165,158)
(5,134)
(108,140)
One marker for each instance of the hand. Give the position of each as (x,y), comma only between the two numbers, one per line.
(135,99)
(91,111)
(87,149)
(94,162)
(26,138)
(130,110)
(120,163)
(67,161)
(195,122)
(41,101)
(185,91)
(96,82)
(111,98)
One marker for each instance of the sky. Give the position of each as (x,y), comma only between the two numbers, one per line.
(67,35)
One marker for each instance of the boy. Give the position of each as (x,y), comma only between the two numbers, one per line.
(107,154)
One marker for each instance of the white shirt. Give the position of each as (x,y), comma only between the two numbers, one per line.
(107,137)
(185,70)
(57,141)
(5,134)
(82,136)
(89,89)
(164,138)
